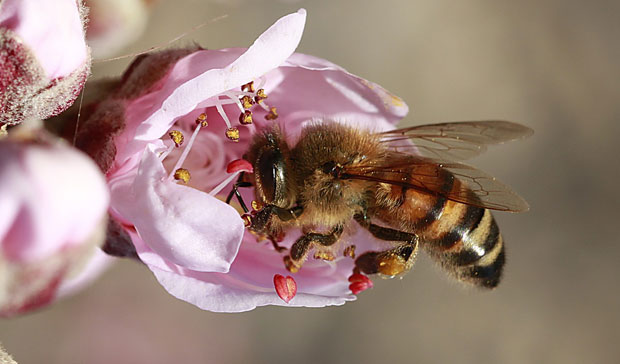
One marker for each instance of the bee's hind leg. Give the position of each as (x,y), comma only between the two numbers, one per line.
(389,262)
(300,248)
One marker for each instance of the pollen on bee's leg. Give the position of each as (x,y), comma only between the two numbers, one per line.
(247,220)
(290,265)
(256,205)
(324,255)
(182,174)
(391,265)
(349,251)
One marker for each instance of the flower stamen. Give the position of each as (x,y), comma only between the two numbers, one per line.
(200,122)
(182,174)
(247,102)
(232,134)
(246,117)
(177,140)
(248,87)
(272,115)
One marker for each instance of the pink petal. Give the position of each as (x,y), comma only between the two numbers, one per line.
(286,287)
(329,92)
(221,293)
(190,82)
(183,225)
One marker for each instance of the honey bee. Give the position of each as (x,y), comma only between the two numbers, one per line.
(405,186)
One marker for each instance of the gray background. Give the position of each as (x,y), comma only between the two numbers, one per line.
(552,65)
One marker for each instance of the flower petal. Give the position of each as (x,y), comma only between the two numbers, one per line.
(221,294)
(323,90)
(179,95)
(186,226)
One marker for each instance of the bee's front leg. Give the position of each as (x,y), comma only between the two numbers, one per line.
(300,248)
(260,222)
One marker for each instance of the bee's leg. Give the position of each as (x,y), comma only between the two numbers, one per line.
(235,191)
(300,248)
(275,244)
(261,218)
(390,262)
(259,222)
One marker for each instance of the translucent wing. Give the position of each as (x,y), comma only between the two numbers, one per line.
(454,141)
(465,184)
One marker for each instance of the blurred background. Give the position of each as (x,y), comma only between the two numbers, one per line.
(552,65)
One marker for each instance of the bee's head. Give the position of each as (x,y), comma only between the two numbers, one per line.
(269,156)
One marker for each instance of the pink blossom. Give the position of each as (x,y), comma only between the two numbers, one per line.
(44,59)
(194,243)
(53,202)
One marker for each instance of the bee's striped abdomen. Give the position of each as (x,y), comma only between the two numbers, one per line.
(464,239)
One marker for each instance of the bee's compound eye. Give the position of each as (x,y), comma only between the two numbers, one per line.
(271,174)
(329,167)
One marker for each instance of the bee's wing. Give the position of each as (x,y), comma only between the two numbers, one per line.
(432,176)
(455,140)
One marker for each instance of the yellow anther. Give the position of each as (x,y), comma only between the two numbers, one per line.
(245,117)
(260,96)
(202,120)
(349,251)
(182,174)
(232,134)
(247,102)
(272,115)
(248,87)
(177,137)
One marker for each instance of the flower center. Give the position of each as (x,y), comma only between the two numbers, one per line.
(247,97)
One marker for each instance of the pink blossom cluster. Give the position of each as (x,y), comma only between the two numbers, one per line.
(173,110)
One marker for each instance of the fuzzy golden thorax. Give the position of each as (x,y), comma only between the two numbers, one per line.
(327,200)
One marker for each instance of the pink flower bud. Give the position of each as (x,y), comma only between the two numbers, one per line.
(44,59)
(53,201)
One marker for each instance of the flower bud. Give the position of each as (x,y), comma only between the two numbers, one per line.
(44,59)
(53,202)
